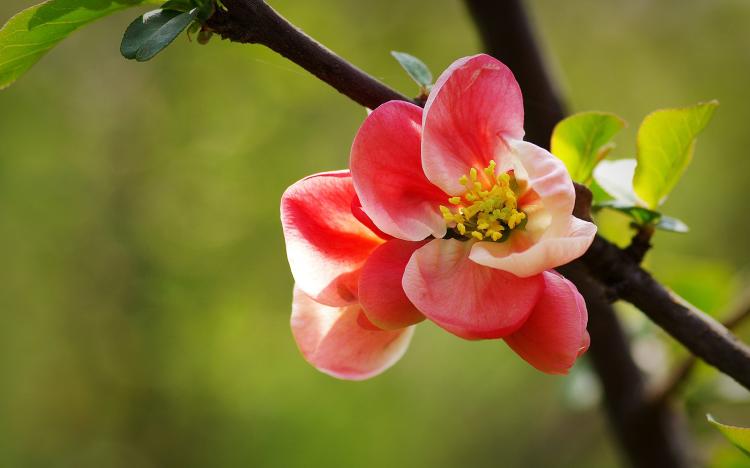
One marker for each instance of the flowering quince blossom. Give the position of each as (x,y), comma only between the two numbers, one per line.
(447,214)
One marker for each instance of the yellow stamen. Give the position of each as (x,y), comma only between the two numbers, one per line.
(487,208)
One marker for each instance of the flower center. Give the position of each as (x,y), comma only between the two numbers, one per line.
(486,211)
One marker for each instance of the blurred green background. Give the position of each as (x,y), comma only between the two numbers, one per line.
(144,290)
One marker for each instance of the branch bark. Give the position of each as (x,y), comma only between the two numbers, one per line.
(650,433)
(255,22)
(698,332)
(681,373)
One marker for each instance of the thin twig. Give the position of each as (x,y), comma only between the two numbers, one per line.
(255,22)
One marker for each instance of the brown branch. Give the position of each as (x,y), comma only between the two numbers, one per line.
(699,333)
(640,244)
(255,22)
(508,36)
(650,433)
(682,372)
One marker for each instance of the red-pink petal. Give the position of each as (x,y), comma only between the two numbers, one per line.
(340,342)
(325,244)
(380,291)
(555,333)
(387,172)
(467,299)
(475,106)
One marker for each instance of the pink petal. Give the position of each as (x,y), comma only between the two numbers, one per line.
(339,341)
(555,334)
(545,253)
(468,300)
(380,291)
(547,176)
(325,244)
(552,236)
(474,106)
(388,176)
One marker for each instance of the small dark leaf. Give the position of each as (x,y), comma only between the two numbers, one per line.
(416,69)
(179,5)
(667,223)
(151,33)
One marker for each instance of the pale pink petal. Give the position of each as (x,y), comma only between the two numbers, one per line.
(387,172)
(380,291)
(474,107)
(340,342)
(542,255)
(555,334)
(325,244)
(547,177)
(552,236)
(467,299)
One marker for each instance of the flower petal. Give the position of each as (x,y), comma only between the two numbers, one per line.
(555,334)
(380,291)
(387,171)
(325,244)
(339,342)
(467,299)
(547,177)
(475,105)
(542,255)
(552,236)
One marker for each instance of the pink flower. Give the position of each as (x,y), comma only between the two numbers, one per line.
(447,214)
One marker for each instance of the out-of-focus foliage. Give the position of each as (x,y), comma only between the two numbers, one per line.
(33,32)
(145,295)
(739,436)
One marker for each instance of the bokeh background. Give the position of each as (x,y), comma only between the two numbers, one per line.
(144,290)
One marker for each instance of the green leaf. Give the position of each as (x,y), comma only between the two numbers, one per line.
(616,178)
(151,33)
(639,214)
(666,141)
(739,436)
(668,223)
(30,34)
(416,69)
(584,139)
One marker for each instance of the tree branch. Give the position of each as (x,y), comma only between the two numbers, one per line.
(682,372)
(255,22)
(649,432)
(508,36)
(698,332)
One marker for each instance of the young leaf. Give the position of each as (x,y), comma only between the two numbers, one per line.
(582,140)
(416,69)
(668,223)
(616,178)
(151,33)
(666,140)
(30,34)
(739,436)
(639,214)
